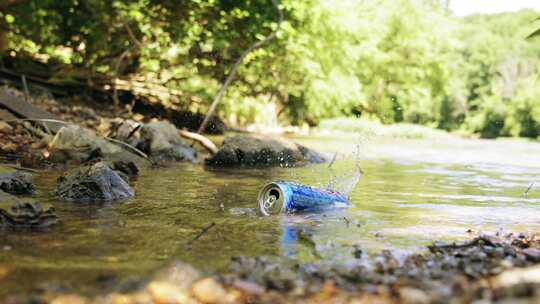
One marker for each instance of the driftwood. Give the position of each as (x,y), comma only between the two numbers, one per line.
(130,147)
(205,142)
(486,240)
(23,109)
(203,232)
(526,193)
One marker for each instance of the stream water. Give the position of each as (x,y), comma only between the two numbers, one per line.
(412,193)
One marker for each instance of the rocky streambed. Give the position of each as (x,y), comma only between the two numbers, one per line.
(486,268)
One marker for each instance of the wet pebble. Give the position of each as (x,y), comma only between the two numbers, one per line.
(209,291)
(410,295)
(69,299)
(167,293)
(532,254)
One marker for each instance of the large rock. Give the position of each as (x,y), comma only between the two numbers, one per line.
(17,183)
(126,131)
(97,182)
(76,144)
(192,122)
(162,142)
(15,213)
(259,151)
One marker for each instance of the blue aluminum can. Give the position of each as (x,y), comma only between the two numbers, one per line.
(290,197)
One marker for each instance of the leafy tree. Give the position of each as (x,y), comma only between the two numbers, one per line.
(388,60)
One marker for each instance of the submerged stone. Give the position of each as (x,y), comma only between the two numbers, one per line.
(15,213)
(130,169)
(255,151)
(96,182)
(17,183)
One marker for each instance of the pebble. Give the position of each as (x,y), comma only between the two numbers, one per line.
(209,291)
(166,293)
(9,147)
(4,271)
(5,127)
(69,299)
(413,295)
(532,254)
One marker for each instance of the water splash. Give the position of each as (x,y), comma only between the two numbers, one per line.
(346,183)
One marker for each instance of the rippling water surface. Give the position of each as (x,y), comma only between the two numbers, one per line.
(412,193)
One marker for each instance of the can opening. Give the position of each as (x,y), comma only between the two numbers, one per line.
(274,193)
(271,199)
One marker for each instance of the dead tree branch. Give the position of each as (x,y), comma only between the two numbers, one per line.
(205,142)
(235,67)
(203,232)
(136,45)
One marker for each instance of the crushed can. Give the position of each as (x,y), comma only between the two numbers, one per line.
(287,197)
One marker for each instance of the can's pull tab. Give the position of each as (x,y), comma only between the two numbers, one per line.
(269,203)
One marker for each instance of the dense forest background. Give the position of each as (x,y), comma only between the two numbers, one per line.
(392,60)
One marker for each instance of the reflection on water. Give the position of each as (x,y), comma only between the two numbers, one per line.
(401,205)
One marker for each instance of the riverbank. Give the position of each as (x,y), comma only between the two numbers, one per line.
(499,268)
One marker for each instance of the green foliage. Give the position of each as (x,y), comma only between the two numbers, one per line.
(392,61)
(523,117)
(536,33)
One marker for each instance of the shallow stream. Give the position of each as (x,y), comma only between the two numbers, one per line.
(412,193)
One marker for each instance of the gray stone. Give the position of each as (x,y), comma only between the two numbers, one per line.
(17,183)
(76,144)
(97,182)
(17,214)
(263,151)
(162,141)
(125,133)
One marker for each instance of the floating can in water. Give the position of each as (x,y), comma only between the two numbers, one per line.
(284,196)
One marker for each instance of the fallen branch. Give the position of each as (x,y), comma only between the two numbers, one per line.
(333,160)
(474,242)
(526,193)
(37,119)
(205,142)
(198,236)
(34,131)
(132,148)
